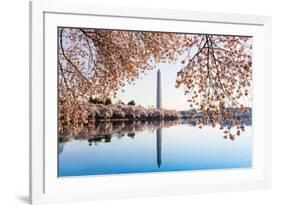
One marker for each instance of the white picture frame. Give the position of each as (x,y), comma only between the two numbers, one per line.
(45,187)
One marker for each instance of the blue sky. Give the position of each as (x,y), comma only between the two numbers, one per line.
(144,89)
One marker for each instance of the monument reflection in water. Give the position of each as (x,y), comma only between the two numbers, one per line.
(150,146)
(159,146)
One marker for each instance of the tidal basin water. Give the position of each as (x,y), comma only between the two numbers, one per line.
(140,147)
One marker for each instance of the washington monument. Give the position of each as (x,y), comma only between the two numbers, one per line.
(159,94)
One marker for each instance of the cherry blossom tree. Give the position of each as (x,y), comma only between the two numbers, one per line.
(216,72)
(99,62)
(216,76)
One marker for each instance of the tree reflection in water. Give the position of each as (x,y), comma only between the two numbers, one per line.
(102,131)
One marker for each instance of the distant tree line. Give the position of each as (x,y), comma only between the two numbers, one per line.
(108,101)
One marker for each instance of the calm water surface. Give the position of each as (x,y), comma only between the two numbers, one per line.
(137,147)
